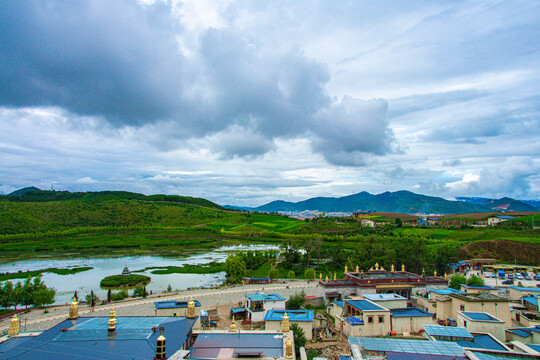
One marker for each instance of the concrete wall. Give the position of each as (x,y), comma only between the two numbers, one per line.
(517,294)
(369,329)
(426,304)
(412,324)
(335,310)
(307,326)
(500,310)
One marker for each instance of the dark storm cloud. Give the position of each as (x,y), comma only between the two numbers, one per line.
(122,62)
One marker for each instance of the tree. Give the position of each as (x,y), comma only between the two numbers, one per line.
(309,274)
(109,295)
(299,338)
(235,267)
(92,299)
(443,255)
(43,296)
(76,295)
(475,281)
(273,274)
(456,281)
(140,291)
(6,295)
(169,288)
(398,222)
(296,301)
(291,275)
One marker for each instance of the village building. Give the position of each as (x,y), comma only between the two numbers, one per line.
(526,335)
(479,289)
(518,292)
(498,307)
(481,322)
(305,319)
(410,320)
(377,281)
(364,318)
(235,344)
(258,304)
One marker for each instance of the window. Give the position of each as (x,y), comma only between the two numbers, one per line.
(461,307)
(464,323)
(381,319)
(370,319)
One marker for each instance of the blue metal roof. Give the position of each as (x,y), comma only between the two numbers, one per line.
(408,346)
(481,316)
(484,287)
(55,344)
(339,303)
(520,332)
(531,300)
(506,217)
(531,289)
(482,342)
(447,331)
(238,310)
(294,315)
(384,297)
(409,356)
(409,312)
(446,291)
(265,297)
(365,305)
(173,304)
(460,263)
(484,356)
(209,345)
(534,347)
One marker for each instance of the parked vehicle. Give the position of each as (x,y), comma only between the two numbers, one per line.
(527,277)
(510,276)
(508,282)
(502,275)
(519,277)
(537,277)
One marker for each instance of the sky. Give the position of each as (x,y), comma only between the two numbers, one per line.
(246,102)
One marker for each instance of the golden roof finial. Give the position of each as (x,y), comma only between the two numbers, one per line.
(402,267)
(320,276)
(190,309)
(327,279)
(346,269)
(112,320)
(13,326)
(335,276)
(376,266)
(445,276)
(392,268)
(233,325)
(161,353)
(285,323)
(435,273)
(357,271)
(288,348)
(73,309)
(423,272)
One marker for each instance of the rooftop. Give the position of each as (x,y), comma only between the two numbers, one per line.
(448,332)
(135,337)
(483,296)
(265,297)
(482,341)
(365,305)
(384,297)
(210,345)
(294,315)
(531,299)
(531,289)
(480,316)
(339,303)
(446,291)
(408,346)
(173,304)
(409,312)
(484,287)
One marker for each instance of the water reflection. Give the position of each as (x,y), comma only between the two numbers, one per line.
(89,280)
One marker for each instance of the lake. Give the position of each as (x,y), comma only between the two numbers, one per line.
(89,280)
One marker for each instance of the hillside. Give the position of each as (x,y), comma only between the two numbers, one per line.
(41,211)
(503,204)
(23,191)
(399,202)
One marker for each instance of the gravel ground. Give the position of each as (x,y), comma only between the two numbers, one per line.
(37,320)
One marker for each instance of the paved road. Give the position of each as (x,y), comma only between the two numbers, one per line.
(37,320)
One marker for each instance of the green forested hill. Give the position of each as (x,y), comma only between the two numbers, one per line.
(42,211)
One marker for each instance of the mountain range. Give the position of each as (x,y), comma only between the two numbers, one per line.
(399,202)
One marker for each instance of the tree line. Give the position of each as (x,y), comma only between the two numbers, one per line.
(31,292)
